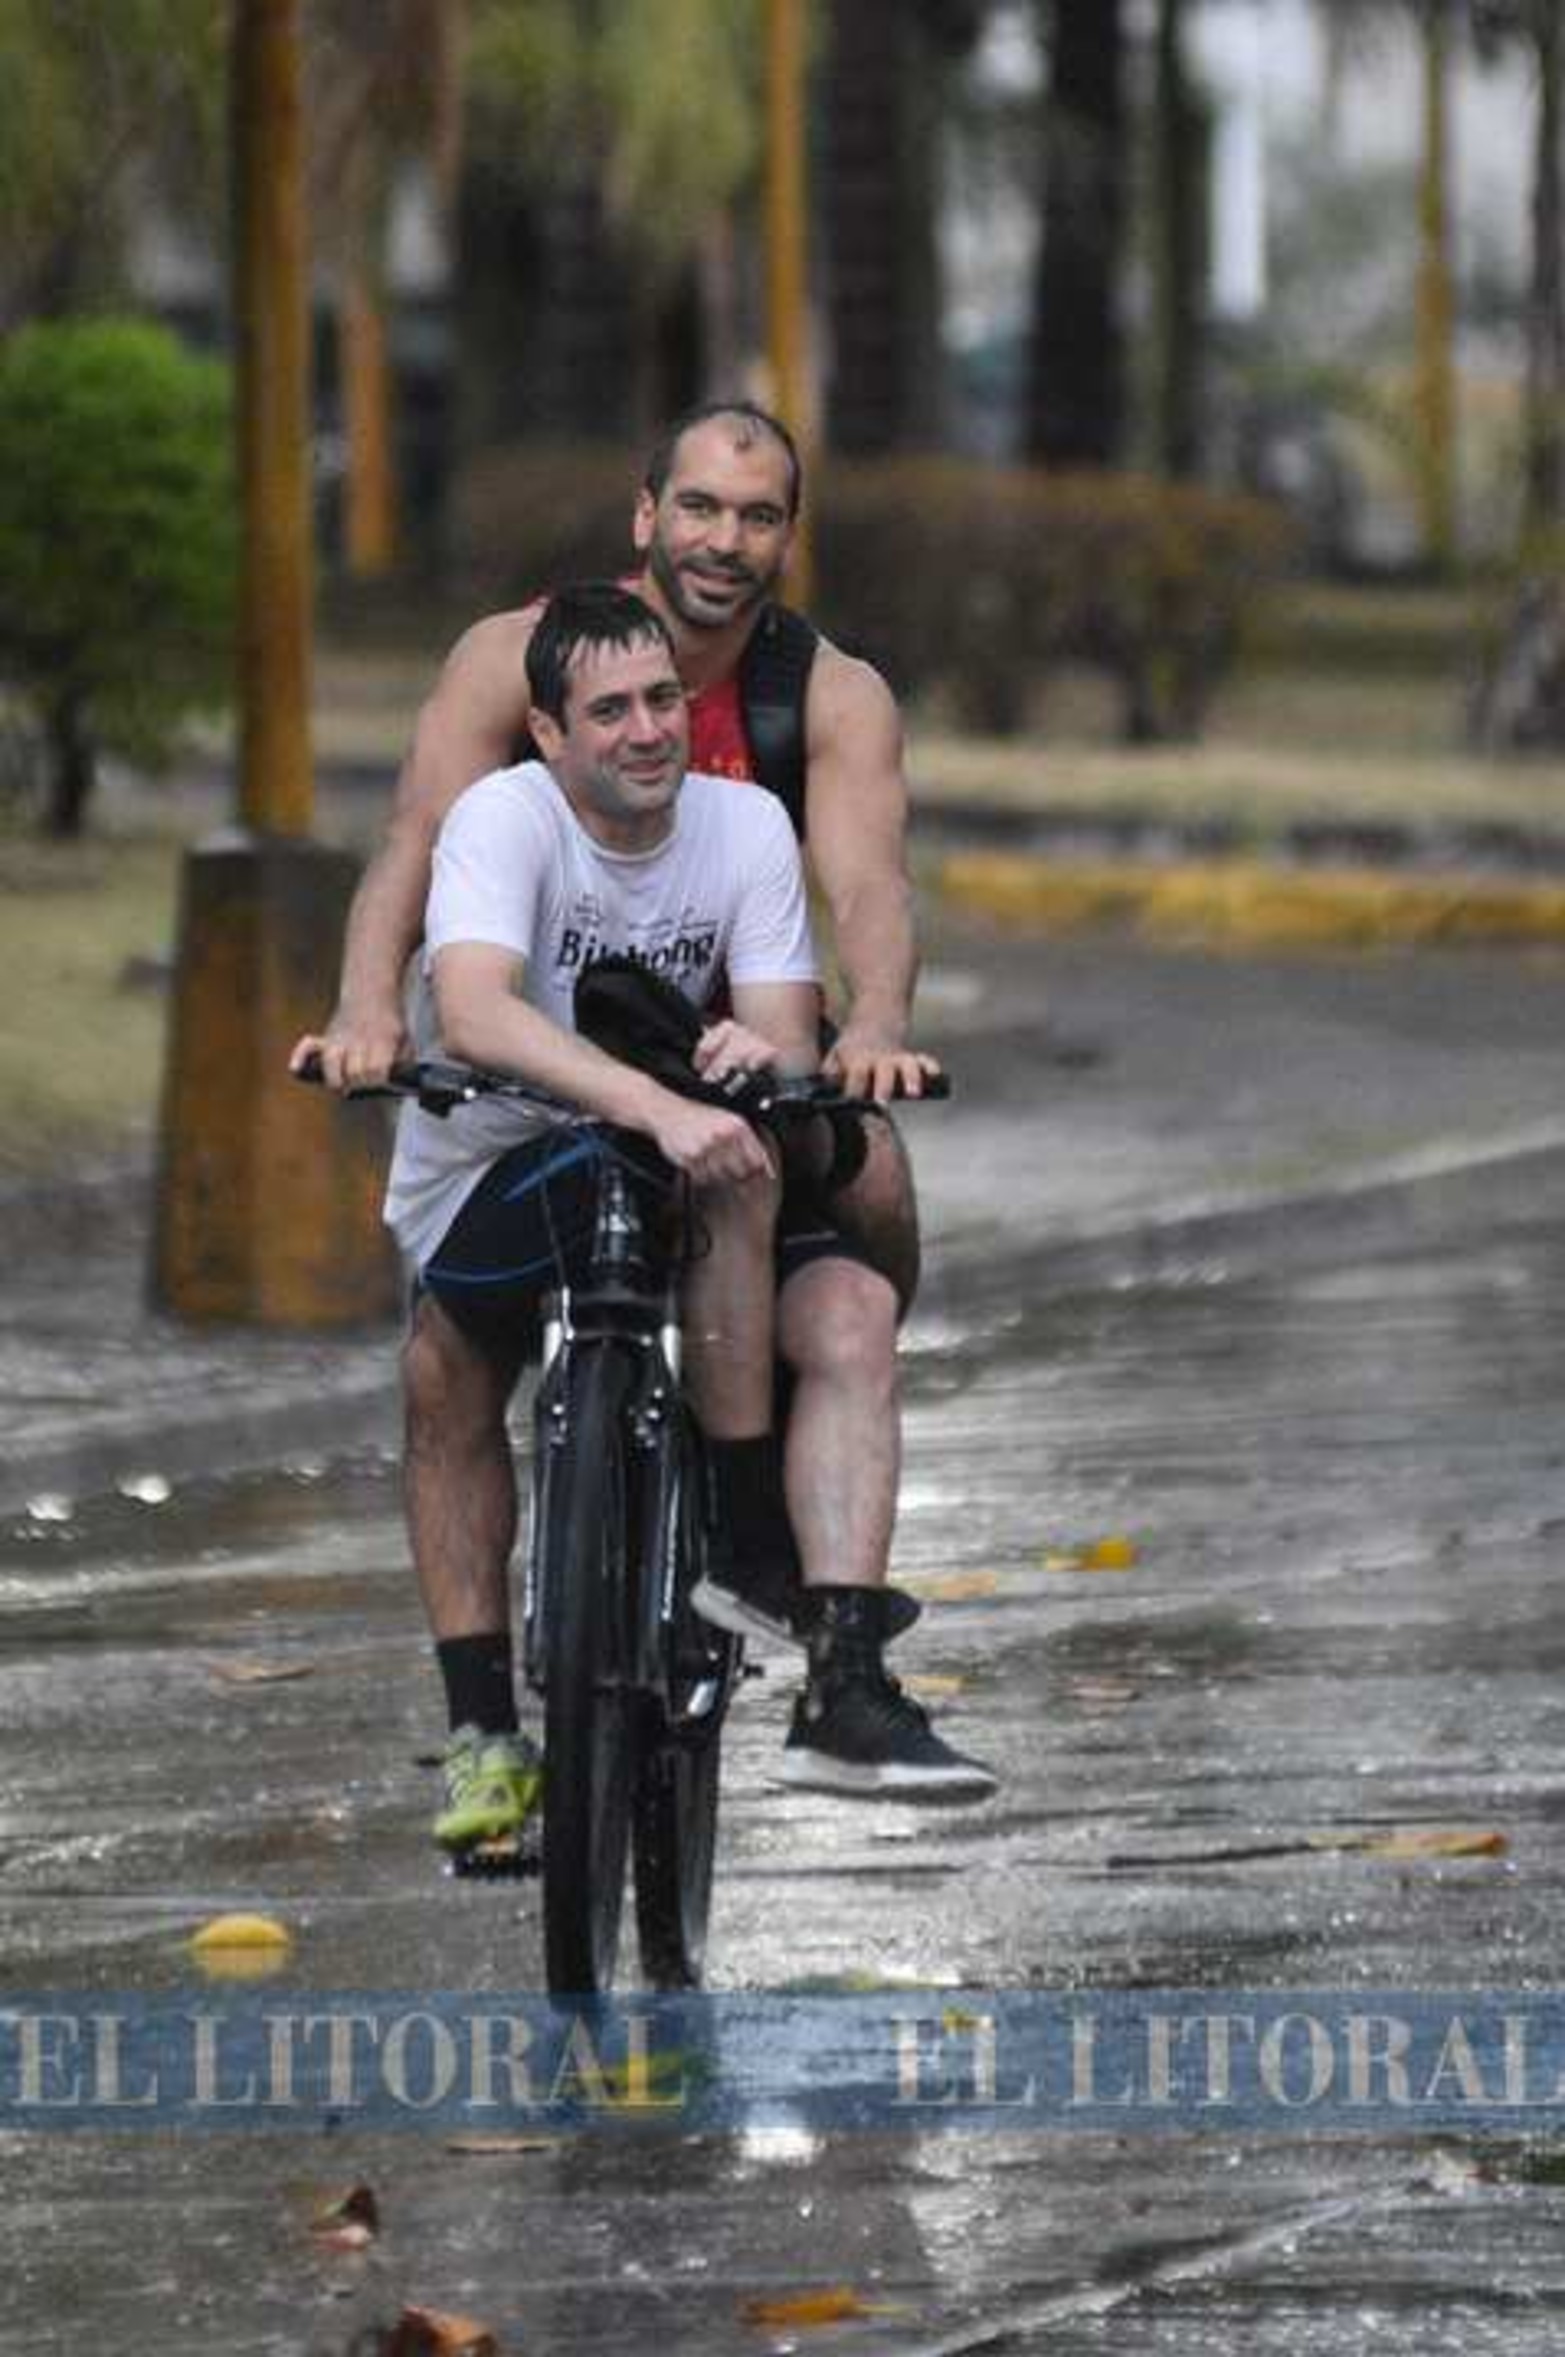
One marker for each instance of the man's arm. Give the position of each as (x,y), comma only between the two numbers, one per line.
(469,725)
(775,1027)
(483,1021)
(856,823)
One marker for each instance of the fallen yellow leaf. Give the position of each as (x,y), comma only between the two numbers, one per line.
(1114,1553)
(1422,1841)
(240,1932)
(935,1686)
(836,2306)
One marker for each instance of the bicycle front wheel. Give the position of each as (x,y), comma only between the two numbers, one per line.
(589,1713)
(674,1824)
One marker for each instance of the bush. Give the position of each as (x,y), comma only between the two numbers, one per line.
(524,517)
(981,580)
(118,543)
(977,580)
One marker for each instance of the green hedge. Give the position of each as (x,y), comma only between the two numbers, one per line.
(973,580)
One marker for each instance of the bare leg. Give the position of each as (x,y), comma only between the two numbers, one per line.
(728,1311)
(837,1330)
(459,1484)
(879,1210)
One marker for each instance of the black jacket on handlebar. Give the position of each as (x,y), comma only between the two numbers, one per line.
(630,1012)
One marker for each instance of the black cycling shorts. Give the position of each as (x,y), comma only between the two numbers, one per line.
(526,1229)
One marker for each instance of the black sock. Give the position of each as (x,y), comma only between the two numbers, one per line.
(747,1485)
(480,1682)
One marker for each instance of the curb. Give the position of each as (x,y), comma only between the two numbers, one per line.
(1250,904)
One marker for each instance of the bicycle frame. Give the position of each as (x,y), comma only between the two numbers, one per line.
(626,1303)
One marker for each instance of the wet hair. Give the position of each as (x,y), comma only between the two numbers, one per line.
(751,420)
(587,614)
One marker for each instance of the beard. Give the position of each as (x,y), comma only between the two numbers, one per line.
(683,594)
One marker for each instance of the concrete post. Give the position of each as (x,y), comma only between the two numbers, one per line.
(267,1205)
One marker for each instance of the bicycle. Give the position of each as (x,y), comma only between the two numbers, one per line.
(635,1685)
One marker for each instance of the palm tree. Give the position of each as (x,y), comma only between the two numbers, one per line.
(97,103)
(1537,24)
(1521,700)
(1353,27)
(385,79)
(1180,176)
(613,147)
(1075,410)
(885,69)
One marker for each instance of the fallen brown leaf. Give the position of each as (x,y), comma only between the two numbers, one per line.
(836,2306)
(1420,1841)
(425,2332)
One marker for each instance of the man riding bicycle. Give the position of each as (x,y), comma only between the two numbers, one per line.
(602,849)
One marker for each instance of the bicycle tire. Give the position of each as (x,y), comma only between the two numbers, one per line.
(675,1835)
(674,1809)
(590,1718)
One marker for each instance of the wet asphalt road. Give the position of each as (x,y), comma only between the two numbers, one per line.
(1331,1438)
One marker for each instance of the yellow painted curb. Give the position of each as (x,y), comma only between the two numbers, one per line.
(1246,904)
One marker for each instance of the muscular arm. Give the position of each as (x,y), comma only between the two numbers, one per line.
(470,724)
(856,819)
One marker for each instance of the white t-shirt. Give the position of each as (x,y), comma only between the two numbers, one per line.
(515,868)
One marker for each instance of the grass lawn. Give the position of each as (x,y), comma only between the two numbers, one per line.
(1349,709)
(82,1016)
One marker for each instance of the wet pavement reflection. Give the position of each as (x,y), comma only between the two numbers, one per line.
(1332,1467)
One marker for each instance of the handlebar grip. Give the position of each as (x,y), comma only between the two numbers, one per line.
(403,1080)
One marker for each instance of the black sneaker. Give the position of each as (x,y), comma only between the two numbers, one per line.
(751,1599)
(865,1738)
(854,1730)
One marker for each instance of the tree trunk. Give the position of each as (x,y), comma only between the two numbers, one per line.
(1435,378)
(1544,433)
(1182,151)
(881,186)
(370,491)
(73,769)
(1520,703)
(1076,392)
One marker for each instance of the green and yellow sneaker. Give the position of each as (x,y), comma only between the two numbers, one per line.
(493,1785)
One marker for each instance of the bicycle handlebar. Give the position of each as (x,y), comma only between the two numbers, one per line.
(440,1087)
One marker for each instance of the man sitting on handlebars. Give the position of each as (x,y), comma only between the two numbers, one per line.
(606,847)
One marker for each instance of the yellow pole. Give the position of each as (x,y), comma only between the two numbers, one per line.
(268,1197)
(271,303)
(785,245)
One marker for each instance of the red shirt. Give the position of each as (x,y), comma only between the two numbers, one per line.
(718,744)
